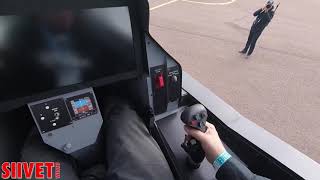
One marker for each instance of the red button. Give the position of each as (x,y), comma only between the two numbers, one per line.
(194,123)
(160,81)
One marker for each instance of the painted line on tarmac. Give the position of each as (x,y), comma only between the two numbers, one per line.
(194,2)
(164,4)
(211,4)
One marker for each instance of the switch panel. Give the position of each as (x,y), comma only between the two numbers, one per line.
(51,115)
(165,78)
(174,84)
(159,88)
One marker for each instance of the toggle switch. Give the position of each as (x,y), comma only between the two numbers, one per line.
(174,78)
(160,81)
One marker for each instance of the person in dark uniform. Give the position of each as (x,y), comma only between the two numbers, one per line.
(264,16)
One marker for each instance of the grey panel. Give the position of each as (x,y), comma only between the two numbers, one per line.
(77,134)
(159,61)
(155,54)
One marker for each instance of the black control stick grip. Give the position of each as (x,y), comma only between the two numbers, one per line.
(194,116)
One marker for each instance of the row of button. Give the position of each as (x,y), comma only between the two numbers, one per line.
(160,80)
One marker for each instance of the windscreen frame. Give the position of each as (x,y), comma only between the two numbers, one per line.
(56,6)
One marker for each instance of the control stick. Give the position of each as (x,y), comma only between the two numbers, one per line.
(194,116)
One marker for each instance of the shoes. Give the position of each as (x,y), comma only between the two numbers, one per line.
(243,52)
(247,56)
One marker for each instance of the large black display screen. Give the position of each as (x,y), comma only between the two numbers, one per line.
(62,48)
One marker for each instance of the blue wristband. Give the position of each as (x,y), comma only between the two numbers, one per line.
(221,159)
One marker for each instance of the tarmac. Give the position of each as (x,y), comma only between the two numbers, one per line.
(277,87)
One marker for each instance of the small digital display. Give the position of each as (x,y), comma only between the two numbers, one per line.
(82,106)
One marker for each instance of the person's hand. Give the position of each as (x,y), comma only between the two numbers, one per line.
(264,9)
(210,141)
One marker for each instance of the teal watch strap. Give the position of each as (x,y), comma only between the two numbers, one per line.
(221,159)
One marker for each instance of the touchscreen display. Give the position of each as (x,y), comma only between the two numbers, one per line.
(81,106)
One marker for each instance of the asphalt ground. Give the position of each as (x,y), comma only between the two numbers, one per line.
(278,87)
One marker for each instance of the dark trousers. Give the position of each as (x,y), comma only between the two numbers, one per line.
(252,40)
(131,152)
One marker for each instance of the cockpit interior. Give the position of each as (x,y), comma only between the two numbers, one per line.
(60,62)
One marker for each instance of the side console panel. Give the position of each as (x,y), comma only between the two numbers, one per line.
(68,122)
(165,78)
(159,88)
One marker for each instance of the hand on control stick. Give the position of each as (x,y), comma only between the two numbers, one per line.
(210,141)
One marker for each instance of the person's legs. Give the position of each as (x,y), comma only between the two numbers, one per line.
(253,42)
(248,42)
(132,153)
(35,150)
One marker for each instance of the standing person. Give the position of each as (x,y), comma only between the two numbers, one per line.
(264,16)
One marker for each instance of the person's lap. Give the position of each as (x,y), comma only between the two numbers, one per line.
(134,154)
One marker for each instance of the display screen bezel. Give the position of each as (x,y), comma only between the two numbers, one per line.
(20,101)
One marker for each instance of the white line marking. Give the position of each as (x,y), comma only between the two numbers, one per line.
(164,4)
(212,4)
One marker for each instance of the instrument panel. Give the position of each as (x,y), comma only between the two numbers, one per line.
(68,122)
